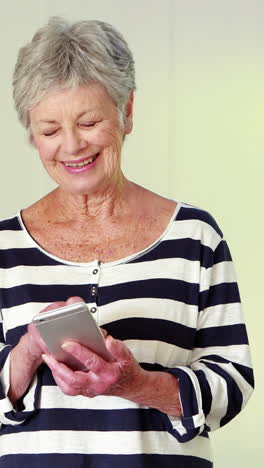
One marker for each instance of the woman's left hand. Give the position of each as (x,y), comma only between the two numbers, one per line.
(123,377)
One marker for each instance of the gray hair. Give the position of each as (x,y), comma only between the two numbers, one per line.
(70,55)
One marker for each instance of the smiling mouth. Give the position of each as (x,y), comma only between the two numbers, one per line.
(85,162)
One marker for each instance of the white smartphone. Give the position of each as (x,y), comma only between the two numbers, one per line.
(73,322)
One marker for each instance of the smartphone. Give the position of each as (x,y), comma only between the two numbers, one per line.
(73,322)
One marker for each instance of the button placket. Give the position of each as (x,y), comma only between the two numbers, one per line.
(94,290)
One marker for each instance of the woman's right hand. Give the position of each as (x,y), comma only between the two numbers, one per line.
(35,345)
(26,356)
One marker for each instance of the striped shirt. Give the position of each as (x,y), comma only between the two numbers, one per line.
(175,304)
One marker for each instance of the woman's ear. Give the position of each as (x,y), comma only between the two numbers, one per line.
(129,114)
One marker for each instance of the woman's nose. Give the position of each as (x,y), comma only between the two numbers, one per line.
(72,142)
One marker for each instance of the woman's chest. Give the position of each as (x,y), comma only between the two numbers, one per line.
(104,243)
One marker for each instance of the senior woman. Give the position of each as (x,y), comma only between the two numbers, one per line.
(156,273)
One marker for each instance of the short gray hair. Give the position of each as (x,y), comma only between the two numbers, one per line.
(70,55)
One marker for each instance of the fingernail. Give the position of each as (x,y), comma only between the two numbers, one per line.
(45,358)
(66,346)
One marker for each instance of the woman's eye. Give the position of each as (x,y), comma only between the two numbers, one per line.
(49,132)
(88,124)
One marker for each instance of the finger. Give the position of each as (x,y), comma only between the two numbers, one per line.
(118,349)
(65,378)
(74,299)
(64,386)
(105,333)
(53,306)
(82,389)
(58,368)
(36,337)
(74,383)
(91,361)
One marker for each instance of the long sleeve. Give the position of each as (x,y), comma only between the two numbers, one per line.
(27,405)
(218,381)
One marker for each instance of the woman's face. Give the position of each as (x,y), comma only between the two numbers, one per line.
(79,137)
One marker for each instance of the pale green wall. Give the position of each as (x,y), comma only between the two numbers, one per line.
(197,136)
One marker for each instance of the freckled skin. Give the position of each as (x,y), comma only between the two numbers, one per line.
(95,214)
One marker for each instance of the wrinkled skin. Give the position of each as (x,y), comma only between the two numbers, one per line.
(121,377)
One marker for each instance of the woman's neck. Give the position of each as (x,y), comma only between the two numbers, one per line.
(113,201)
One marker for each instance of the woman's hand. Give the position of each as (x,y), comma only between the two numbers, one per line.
(26,356)
(121,377)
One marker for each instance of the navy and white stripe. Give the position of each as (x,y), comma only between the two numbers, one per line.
(177,307)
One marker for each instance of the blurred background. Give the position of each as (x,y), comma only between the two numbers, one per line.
(197,137)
